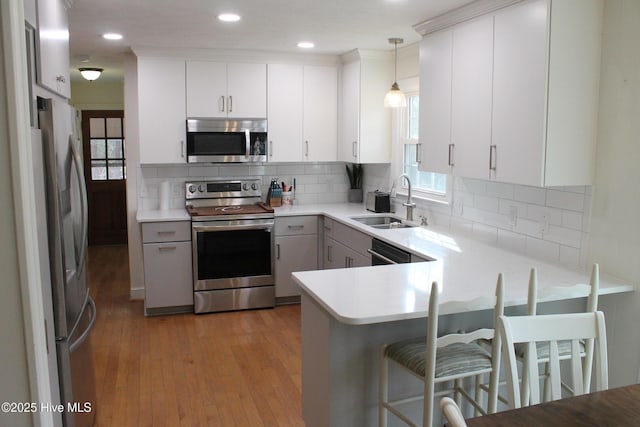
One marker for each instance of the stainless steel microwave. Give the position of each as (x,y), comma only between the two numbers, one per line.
(214,140)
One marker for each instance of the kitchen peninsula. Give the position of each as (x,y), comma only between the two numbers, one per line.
(348,313)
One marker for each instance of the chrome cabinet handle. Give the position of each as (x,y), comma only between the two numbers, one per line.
(167,248)
(295,227)
(277,250)
(306,148)
(270,148)
(355,148)
(492,157)
(346,262)
(451,148)
(329,253)
(230,103)
(161,233)
(418,153)
(182,148)
(221,103)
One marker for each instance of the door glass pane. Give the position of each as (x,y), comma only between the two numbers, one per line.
(96,128)
(98,150)
(114,149)
(114,128)
(116,169)
(98,170)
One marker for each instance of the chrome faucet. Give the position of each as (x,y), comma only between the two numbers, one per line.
(409,203)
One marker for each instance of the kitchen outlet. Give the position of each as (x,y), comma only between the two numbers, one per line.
(544,223)
(458,207)
(513,215)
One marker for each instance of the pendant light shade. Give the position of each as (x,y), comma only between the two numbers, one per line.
(395,98)
(90,74)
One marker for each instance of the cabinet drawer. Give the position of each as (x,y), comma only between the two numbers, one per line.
(354,239)
(171,231)
(168,274)
(289,226)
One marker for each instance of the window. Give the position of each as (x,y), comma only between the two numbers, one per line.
(425,184)
(107,149)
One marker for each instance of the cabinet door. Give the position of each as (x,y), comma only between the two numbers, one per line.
(519,94)
(336,255)
(320,106)
(247,90)
(168,274)
(53,47)
(294,253)
(206,84)
(375,120)
(435,102)
(285,112)
(161,104)
(471,94)
(349,113)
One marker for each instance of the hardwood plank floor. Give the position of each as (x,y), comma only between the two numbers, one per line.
(225,369)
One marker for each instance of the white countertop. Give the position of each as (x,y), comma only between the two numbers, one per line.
(465,268)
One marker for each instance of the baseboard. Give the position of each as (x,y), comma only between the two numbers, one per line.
(136,293)
(288,300)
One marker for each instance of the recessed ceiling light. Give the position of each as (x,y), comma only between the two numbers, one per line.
(112,36)
(229,17)
(306,45)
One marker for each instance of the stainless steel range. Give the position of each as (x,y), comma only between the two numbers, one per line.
(232,237)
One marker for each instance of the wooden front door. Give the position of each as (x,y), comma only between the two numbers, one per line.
(106,173)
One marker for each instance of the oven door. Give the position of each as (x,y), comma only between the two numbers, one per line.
(232,254)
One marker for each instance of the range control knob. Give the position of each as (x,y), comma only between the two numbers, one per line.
(245,186)
(202,188)
(192,189)
(254,186)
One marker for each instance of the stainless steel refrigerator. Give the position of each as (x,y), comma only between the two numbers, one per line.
(74,312)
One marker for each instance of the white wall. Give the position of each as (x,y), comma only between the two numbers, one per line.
(14,386)
(97,95)
(615,218)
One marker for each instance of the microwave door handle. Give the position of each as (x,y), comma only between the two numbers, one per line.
(247,145)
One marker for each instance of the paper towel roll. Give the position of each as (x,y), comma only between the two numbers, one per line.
(165,190)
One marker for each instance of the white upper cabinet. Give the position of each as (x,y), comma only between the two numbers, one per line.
(161,110)
(524,92)
(435,102)
(53,47)
(365,124)
(471,97)
(234,90)
(320,117)
(302,112)
(284,112)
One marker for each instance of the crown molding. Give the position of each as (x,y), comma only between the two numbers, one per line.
(461,14)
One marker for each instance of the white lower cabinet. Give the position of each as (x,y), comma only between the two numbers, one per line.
(168,276)
(344,247)
(296,250)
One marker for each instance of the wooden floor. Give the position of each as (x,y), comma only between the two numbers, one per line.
(225,369)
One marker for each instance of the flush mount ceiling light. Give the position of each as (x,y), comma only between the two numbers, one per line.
(229,17)
(90,74)
(306,45)
(112,36)
(395,97)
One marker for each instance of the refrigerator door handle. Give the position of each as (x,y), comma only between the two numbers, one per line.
(92,305)
(82,185)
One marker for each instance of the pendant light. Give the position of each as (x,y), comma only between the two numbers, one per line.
(395,97)
(90,74)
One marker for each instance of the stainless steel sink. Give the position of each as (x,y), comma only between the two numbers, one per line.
(382,221)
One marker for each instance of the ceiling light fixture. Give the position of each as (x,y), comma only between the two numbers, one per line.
(112,36)
(229,17)
(90,74)
(395,97)
(306,45)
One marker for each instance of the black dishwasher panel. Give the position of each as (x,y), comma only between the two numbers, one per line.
(383,253)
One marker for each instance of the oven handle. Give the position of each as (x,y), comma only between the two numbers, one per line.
(226,227)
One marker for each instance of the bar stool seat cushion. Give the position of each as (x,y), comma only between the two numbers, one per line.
(451,360)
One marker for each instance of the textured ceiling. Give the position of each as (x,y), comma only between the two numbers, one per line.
(335,26)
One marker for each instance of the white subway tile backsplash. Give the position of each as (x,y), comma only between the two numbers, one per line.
(565,200)
(501,190)
(486,203)
(172,171)
(572,220)
(295,169)
(532,195)
(564,236)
